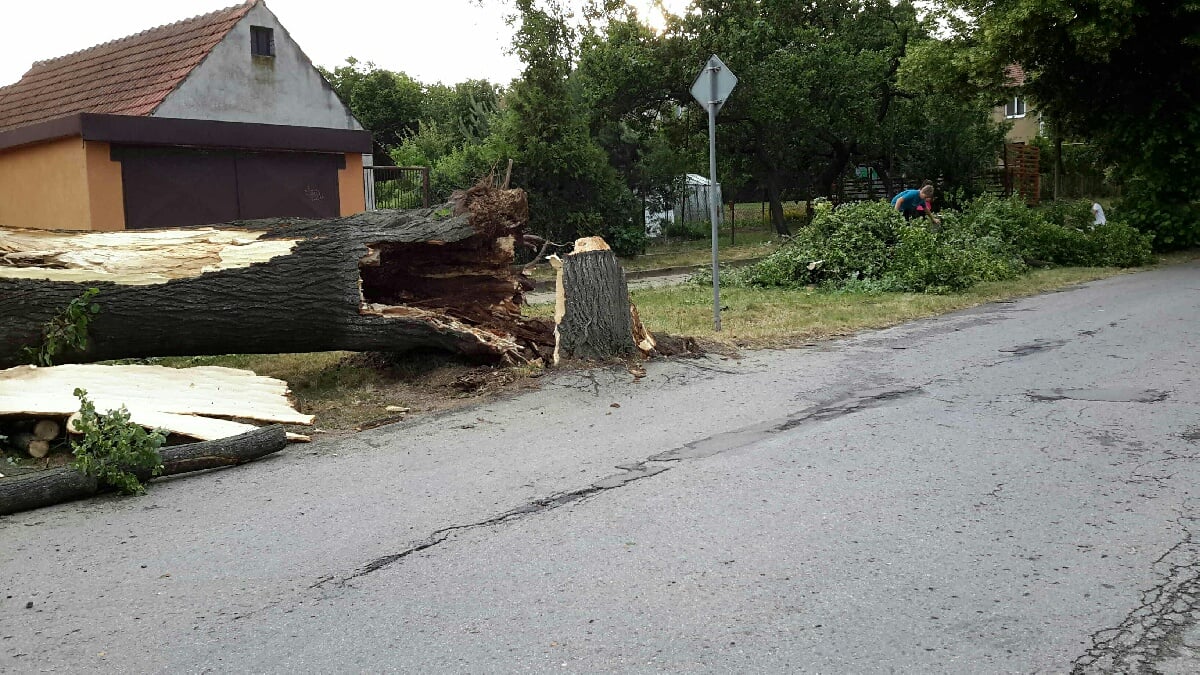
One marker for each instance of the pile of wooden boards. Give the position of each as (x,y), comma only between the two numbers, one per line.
(37,404)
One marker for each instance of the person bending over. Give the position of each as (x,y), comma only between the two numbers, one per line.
(915,203)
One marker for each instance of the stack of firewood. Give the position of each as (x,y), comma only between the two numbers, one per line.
(31,435)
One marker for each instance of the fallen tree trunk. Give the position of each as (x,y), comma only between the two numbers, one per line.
(375,281)
(54,486)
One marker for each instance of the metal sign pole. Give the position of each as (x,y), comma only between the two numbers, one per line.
(712,194)
(712,95)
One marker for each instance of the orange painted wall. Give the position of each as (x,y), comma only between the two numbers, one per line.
(350,186)
(44,186)
(106,194)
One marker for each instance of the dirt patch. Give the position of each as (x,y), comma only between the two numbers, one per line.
(409,384)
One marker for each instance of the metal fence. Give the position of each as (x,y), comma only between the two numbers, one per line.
(396,187)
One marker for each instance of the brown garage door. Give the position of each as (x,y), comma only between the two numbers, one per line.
(288,184)
(174,187)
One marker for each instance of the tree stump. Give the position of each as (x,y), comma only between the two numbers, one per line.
(594,315)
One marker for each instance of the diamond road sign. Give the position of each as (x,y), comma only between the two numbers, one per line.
(702,89)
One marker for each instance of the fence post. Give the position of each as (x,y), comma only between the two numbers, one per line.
(369,188)
(425,187)
(732,220)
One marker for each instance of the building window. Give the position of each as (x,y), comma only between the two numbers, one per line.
(262,41)
(1014,108)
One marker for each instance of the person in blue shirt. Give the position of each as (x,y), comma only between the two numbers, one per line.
(914,203)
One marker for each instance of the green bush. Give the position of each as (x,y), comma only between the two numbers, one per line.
(688,229)
(868,246)
(1116,244)
(800,262)
(861,236)
(950,259)
(1059,234)
(627,239)
(1072,213)
(1173,221)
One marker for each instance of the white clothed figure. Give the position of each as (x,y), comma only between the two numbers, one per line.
(1098,214)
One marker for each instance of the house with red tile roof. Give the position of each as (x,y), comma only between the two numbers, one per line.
(1025,122)
(210,119)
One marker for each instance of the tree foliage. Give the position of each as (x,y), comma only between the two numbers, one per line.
(820,92)
(1119,72)
(113,449)
(573,189)
(385,102)
(601,122)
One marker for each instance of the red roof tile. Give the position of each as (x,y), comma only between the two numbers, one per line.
(130,76)
(1014,75)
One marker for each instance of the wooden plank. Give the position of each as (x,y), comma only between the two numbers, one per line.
(192,426)
(146,391)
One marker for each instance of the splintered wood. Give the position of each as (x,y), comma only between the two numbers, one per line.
(195,402)
(132,258)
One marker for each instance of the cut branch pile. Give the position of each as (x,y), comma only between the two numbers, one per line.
(375,281)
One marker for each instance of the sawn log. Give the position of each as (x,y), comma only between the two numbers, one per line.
(594,314)
(376,281)
(54,486)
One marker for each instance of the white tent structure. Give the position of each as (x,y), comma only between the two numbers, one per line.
(692,206)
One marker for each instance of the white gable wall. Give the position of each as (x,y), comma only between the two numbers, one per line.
(233,86)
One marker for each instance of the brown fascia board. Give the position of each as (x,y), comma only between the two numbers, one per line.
(167,131)
(50,130)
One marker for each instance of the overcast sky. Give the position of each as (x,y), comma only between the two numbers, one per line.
(432,40)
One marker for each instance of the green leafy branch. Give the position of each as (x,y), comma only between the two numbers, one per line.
(67,330)
(114,450)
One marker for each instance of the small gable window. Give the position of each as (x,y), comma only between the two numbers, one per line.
(262,41)
(1014,108)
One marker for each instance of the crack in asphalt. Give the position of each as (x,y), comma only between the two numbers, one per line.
(1151,632)
(630,474)
(1101,394)
(1033,347)
(651,466)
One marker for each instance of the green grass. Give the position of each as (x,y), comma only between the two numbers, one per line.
(777,317)
(663,253)
(771,317)
(692,252)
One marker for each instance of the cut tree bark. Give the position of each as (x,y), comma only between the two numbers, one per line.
(54,486)
(375,281)
(594,315)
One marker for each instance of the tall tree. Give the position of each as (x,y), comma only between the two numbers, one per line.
(573,190)
(1120,72)
(625,81)
(387,103)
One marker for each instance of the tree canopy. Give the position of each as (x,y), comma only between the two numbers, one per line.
(1121,73)
(601,121)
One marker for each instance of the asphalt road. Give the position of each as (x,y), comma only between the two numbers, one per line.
(1006,489)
